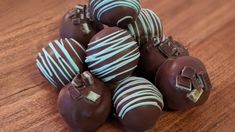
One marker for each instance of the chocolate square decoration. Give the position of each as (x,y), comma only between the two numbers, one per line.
(74,93)
(197,83)
(188,72)
(205,79)
(167,49)
(183,83)
(195,94)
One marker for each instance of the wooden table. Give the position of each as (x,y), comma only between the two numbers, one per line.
(28,102)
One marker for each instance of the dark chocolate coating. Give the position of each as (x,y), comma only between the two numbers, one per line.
(112,54)
(188,70)
(61,61)
(80,113)
(152,55)
(76,21)
(115,12)
(138,104)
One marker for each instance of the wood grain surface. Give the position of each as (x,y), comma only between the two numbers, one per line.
(28,102)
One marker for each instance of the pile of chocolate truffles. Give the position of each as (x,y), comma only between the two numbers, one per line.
(113,56)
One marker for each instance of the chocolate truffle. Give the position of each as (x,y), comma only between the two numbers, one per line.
(79,25)
(138,104)
(146,27)
(153,55)
(115,12)
(112,54)
(85,103)
(61,61)
(184,83)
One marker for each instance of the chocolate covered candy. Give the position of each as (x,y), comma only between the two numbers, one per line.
(146,27)
(115,12)
(138,104)
(61,61)
(85,103)
(154,54)
(112,54)
(184,83)
(79,25)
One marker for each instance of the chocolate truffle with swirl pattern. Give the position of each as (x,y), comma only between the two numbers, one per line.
(112,54)
(85,103)
(115,12)
(146,27)
(61,61)
(138,104)
(79,25)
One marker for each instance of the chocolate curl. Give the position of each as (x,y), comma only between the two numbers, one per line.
(87,78)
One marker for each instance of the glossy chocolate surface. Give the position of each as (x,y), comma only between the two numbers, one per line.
(79,25)
(85,103)
(112,54)
(115,12)
(138,104)
(60,61)
(154,54)
(184,83)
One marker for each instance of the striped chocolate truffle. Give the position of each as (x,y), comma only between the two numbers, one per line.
(78,24)
(146,27)
(112,54)
(115,12)
(138,103)
(61,61)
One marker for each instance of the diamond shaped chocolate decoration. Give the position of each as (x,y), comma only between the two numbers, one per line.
(188,72)
(92,96)
(183,84)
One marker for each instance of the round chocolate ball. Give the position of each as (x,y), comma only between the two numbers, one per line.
(85,103)
(138,104)
(79,25)
(154,54)
(184,83)
(61,61)
(112,54)
(115,12)
(146,27)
